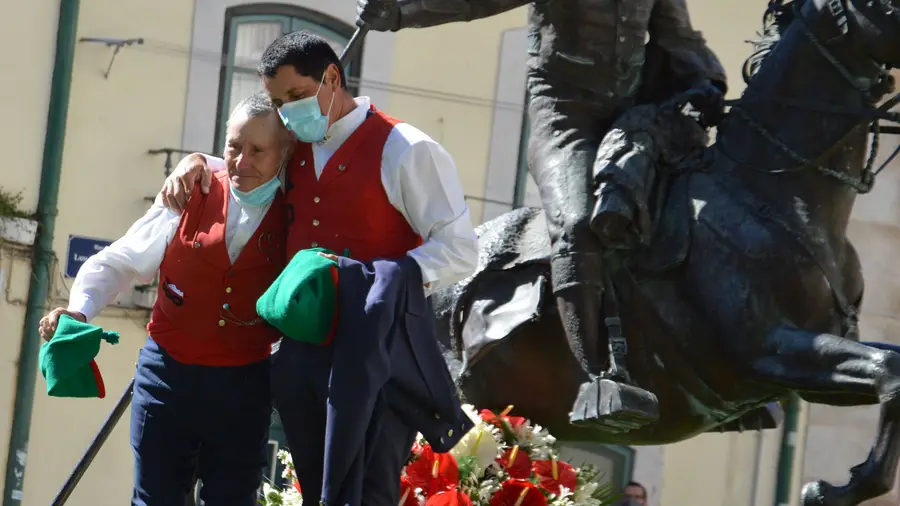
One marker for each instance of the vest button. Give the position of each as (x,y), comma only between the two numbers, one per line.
(225,306)
(316,199)
(221,323)
(315,244)
(196,244)
(341,167)
(302,163)
(228,290)
(315,223)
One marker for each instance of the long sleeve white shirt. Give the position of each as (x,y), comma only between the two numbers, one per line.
(420,180)
(139,253)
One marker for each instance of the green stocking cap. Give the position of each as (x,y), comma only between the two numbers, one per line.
(302,302)
(67,361)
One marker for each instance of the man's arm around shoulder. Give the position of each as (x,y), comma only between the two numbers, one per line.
(192,169)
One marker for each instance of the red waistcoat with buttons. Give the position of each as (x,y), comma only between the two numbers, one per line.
(205,312)
(346,209)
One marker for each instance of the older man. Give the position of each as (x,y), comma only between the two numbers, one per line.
(201,395)
(367,186)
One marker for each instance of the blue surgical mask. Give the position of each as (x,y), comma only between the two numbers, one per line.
(304,117)
(259,196)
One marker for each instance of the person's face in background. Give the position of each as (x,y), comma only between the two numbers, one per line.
(634,495)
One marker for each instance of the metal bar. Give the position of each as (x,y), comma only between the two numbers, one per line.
(785,477)
(124,401)
(352,46)
(165,151)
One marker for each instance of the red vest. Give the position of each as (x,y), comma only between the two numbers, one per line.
(347,210)
(209,317)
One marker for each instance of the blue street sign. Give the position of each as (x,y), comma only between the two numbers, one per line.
(80,249)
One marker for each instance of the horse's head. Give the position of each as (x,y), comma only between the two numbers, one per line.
(874,26)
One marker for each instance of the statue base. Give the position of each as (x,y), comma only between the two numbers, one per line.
(614,407)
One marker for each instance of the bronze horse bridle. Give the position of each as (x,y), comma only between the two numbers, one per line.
(871,90)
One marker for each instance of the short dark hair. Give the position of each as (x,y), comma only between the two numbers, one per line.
(638,485)
(309,54)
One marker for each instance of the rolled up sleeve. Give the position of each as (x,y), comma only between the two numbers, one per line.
(433,202)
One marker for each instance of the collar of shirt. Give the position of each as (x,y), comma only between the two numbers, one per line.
(241,223)
(339,132)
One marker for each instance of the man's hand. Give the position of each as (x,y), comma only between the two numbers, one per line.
(47,327)
(709,100)
(180,183)
(378,15)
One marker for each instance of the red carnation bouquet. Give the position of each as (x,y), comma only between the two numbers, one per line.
(503,461)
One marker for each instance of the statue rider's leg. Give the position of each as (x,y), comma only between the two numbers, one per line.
(566,129)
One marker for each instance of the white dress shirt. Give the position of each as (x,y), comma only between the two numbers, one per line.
(139,253)
(420,180)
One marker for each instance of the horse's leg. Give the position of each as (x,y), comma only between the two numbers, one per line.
(816,365)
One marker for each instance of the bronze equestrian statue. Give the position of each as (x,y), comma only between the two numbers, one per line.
(586,66)
(749,288)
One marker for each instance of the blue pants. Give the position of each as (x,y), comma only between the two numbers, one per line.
(203,420)
(300,376)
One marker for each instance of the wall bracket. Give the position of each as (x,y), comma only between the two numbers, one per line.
(114,43)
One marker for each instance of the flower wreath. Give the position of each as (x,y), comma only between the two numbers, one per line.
(503,461)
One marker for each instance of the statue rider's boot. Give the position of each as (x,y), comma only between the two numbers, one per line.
(609,399)
(613,218)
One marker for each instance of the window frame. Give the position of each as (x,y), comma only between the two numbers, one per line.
(293,18)
(621,456)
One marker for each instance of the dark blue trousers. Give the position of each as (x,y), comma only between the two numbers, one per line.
(187,419)
(300,377)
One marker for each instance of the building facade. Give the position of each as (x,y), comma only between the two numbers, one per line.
(154,79)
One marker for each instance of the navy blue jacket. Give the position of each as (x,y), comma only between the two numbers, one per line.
(386,354)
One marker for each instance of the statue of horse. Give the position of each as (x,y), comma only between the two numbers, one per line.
(749,289)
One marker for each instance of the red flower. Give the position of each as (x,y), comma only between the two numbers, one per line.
(449,498)
(433,472)
(553,474)
(516,462)
(513,421)
(407,493)
(296,482)
(518,493)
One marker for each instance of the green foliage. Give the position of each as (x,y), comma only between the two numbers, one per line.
(9,205)
(467,466)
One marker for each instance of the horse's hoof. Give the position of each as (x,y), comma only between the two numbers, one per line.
(814,494)
(822,493)
(613,407)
